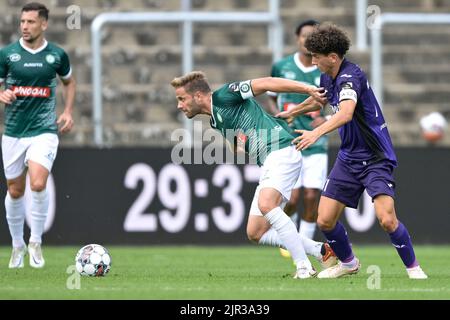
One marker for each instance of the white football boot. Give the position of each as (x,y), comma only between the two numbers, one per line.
(416,273)
(17,257)
(36,258)
(339,270)
(305,271)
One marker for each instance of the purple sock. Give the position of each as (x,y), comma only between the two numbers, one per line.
(402,242)
(338,240)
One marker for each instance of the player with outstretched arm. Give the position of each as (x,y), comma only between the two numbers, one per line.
(232,108)
(366,158)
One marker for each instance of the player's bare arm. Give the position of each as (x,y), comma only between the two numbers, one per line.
(7,96)
(343,116)
(306,106)
(261,85)
(65,120)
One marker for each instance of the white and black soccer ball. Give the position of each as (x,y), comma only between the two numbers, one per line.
(93,260)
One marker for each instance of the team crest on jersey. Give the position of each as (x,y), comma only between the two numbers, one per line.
(15,57)
(50,58)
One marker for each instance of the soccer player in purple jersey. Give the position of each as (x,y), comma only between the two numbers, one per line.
(366,158)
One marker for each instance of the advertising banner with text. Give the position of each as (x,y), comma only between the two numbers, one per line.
(141,196)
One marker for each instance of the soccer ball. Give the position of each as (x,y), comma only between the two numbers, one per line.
(93,260)
(433,127)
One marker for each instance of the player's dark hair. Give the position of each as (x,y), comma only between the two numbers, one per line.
(328,38)
(305,23)
(192,82)
(36,6)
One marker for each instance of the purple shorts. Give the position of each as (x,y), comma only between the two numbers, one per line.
(347,181)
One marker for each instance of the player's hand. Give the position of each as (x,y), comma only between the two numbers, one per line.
(7,96)
(285,115)
(318,94)
(65,122)
(306,139)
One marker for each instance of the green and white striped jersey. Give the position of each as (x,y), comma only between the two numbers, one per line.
(31,75)
(242,120)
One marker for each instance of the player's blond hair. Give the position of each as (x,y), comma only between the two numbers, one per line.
(192,82)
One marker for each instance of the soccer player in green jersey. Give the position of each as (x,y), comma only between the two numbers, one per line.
(28,70)
(233,109)
(299,67)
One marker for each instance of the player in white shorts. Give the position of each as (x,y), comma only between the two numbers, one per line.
(246,126)
(28,69)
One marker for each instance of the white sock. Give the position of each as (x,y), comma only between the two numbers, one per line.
(351,264)
(312,247)
(294,217)
(307,229)
(271,238)
(15,215)
(39,209)
(288,235)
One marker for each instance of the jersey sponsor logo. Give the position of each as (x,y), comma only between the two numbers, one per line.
(33,65)
(50,58)
(15,57)
(35,92)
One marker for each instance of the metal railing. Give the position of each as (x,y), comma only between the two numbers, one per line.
(376,35)
(271,18)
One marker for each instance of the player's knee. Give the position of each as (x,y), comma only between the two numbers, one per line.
(38,185)
(388,223)
(325,225)
(266,206)
(16,192)
(266,203)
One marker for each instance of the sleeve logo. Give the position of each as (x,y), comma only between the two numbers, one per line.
(233,87)
(244,88)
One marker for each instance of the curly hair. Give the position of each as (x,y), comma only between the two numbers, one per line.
(328,38)
(192,82)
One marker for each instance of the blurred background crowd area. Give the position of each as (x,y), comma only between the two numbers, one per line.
(140,60)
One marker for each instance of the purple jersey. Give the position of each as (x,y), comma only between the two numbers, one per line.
(365,138)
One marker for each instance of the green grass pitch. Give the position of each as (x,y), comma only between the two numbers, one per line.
(222,273)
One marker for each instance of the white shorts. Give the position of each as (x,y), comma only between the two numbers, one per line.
(314,171)
(17,151)
(280,171)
